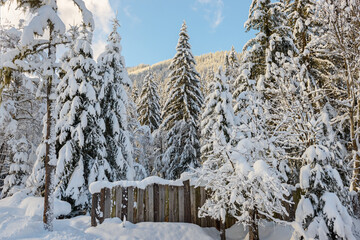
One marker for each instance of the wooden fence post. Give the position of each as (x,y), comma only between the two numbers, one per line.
(118,200)
(181,203)
(94,205)
(172,206)
(102,205)
(162,203)
(187,202)
(203,220)
(150,203)
(156,203)
(124,203)
(107,203)
(130,207)
(140,205)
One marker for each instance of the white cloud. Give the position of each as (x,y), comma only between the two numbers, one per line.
(213,11)
(70,14)
(102,13)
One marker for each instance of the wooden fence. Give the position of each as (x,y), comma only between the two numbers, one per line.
(155,203)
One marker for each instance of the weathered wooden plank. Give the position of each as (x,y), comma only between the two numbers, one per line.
(156,203)
(118,200)
(193,205)
(102,205)
(150,204)
(124,203)
(113,203)
(130,208)
(181,203)
(187,202)
(146,206)
(176,204)
(166,213)
(203,221)
(94,206)
(162,203)
(171,204)
(107,208)
(210,221)
(140,205)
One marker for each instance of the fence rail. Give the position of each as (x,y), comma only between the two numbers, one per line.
(155,203)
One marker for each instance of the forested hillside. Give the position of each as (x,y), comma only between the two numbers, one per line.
(204,64)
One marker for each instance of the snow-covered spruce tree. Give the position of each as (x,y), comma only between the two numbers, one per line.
(245,180)
(140,138)
(206,81)
(20,167)
(260,53)
(231,67)
(135,93)
(321,214)
(256,157)
(20,120)
(148,106)
(315,66)
(79,129)
(217,118)
(181,111)
(44,17)
(113,103)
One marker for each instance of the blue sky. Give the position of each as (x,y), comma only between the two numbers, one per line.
(150,29)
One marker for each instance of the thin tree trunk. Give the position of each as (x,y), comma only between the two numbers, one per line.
(222,230)
(49,144)
(254,228)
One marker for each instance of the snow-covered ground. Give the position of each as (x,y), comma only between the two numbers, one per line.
(20,218)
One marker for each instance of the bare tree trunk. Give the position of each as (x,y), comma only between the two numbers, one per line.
(254,228)
(222,230)
(49,143)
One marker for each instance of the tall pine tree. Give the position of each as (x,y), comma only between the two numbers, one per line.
(80,140)
(148,106)
(217,119)
(113,103)
(181,111)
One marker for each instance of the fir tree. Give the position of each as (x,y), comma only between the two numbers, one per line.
(246,180)
(148,106)
(20,167)
(20,120)
(217,119)
(314,66)
(80,140)
(113,103)
(135,93)
(181,111)
(231,65)
(320,213)
(261,53)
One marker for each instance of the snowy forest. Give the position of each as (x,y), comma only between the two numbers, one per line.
(272,131)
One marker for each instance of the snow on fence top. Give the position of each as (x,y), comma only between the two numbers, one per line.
(96,187)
